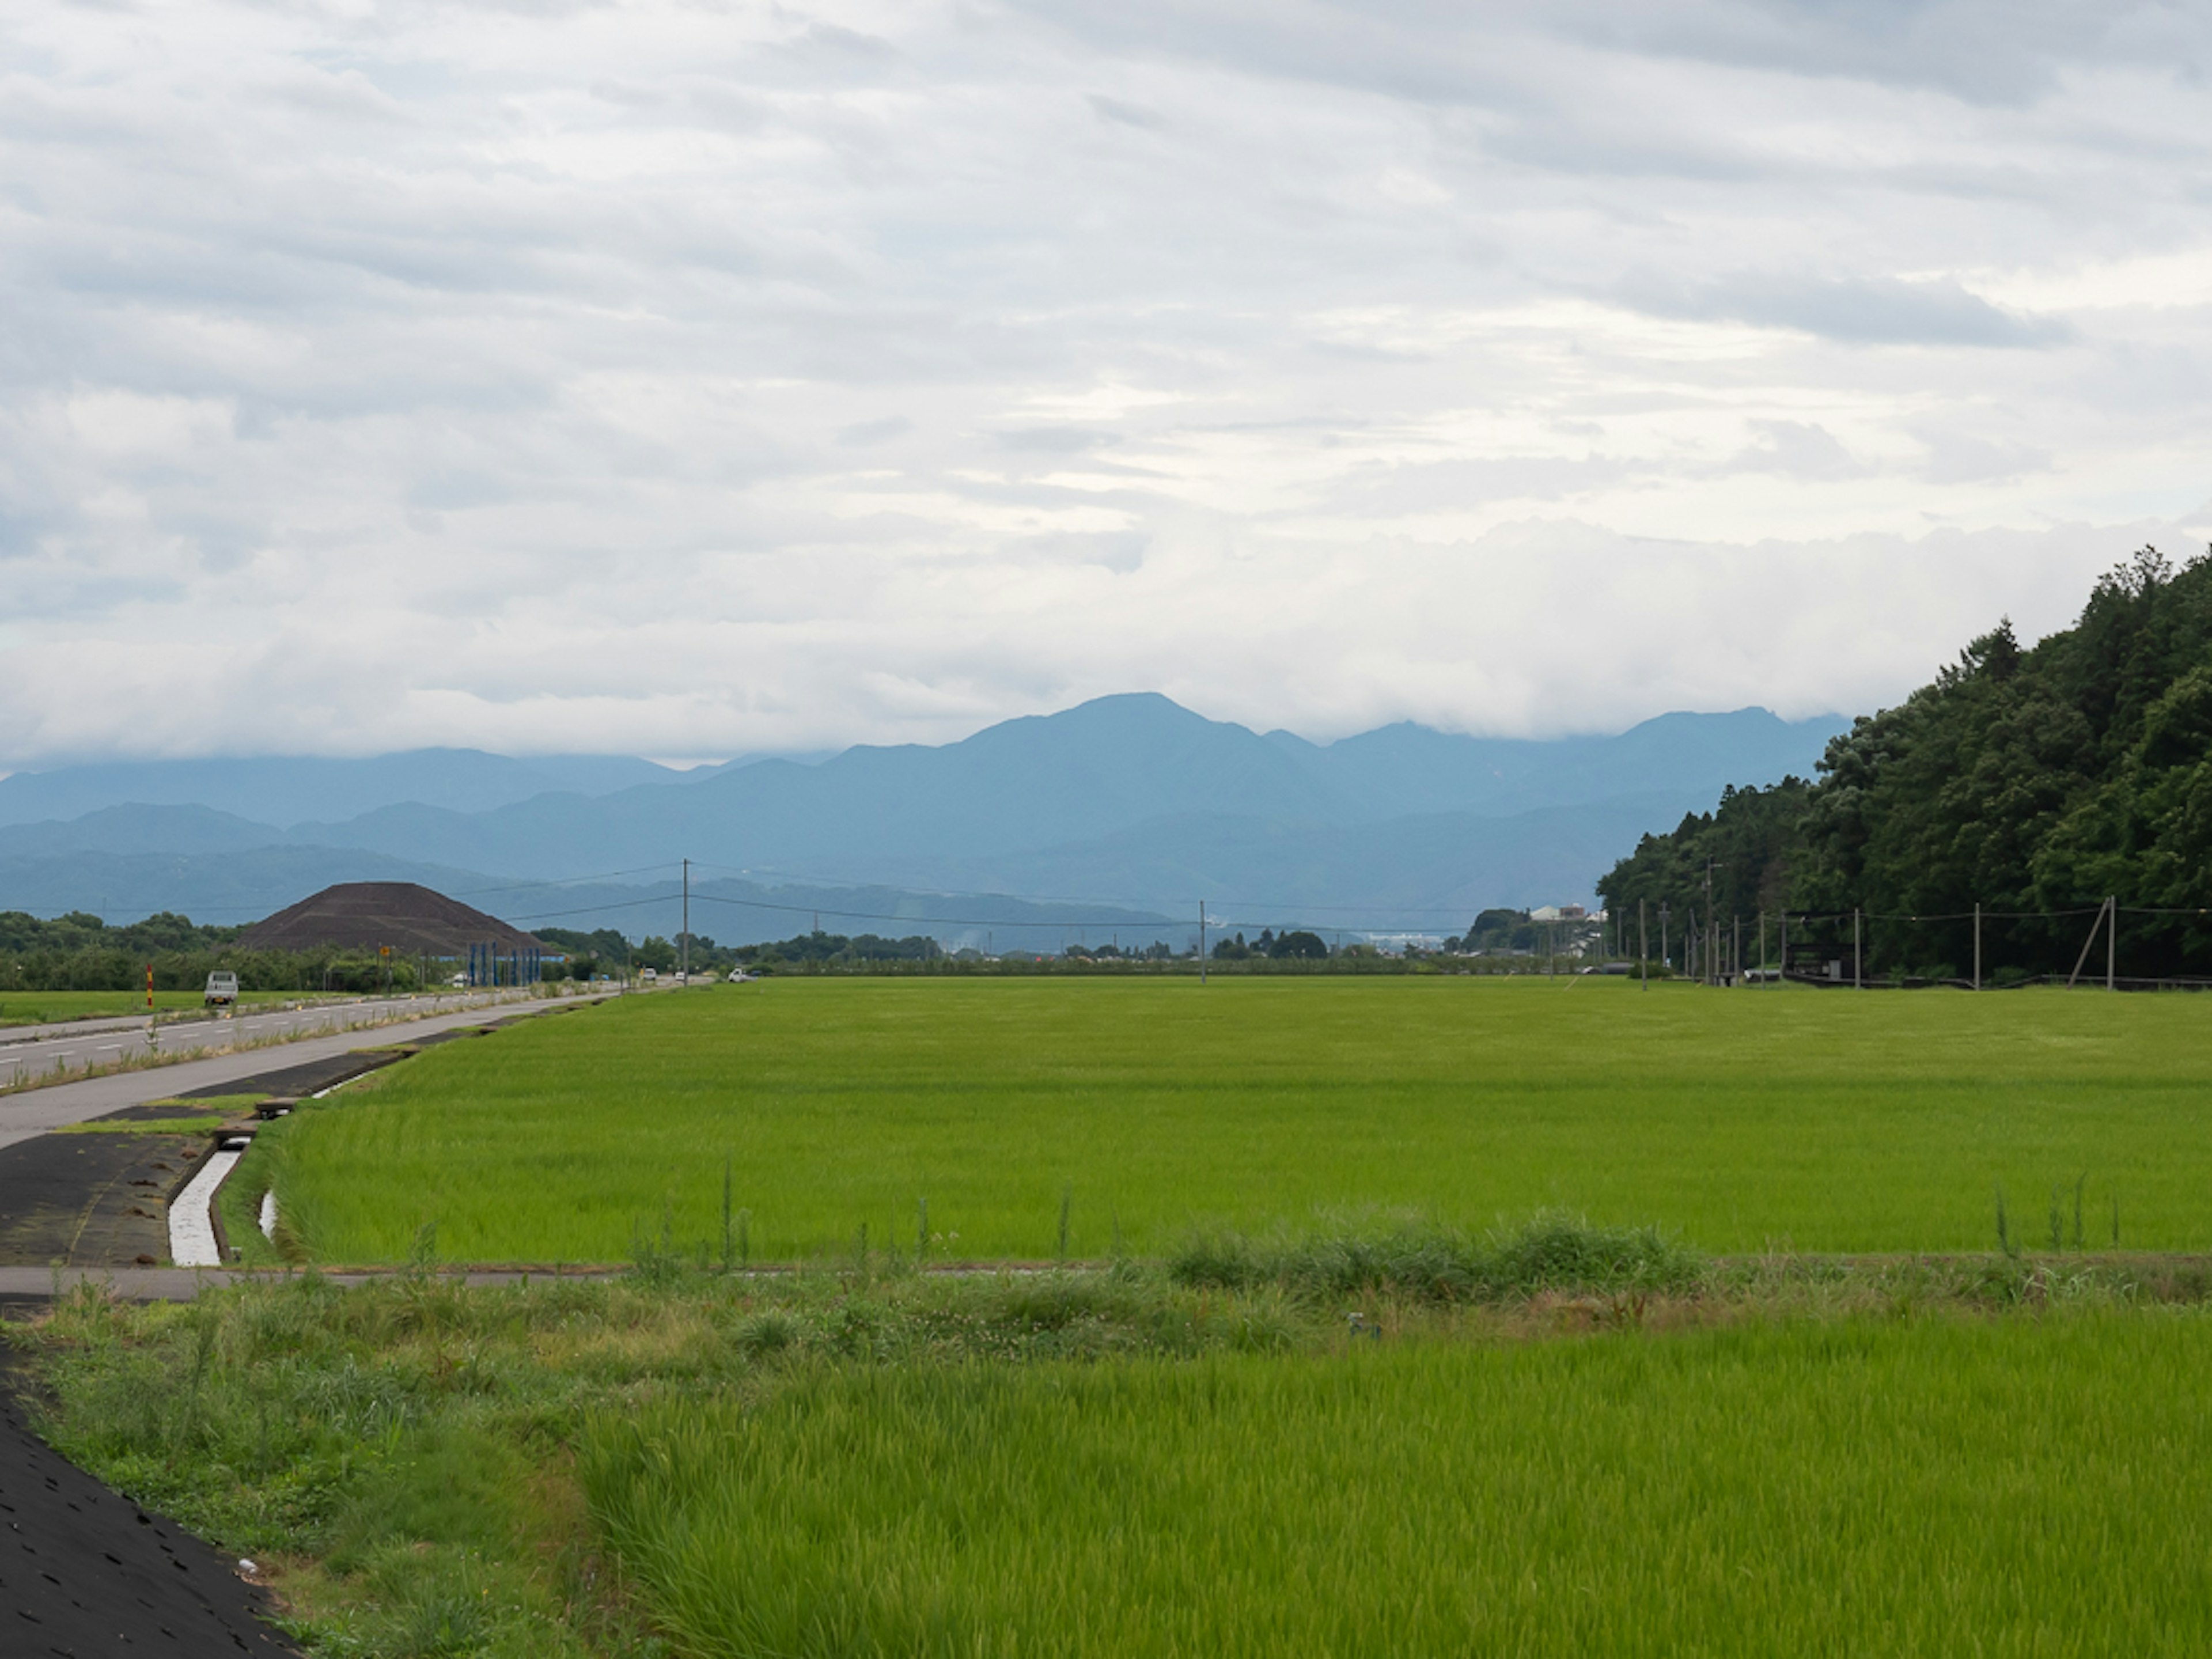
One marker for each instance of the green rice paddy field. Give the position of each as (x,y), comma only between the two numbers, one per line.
(2010,1488)
(1143,1111)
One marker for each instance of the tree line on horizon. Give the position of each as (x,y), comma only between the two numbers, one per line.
(2033,782)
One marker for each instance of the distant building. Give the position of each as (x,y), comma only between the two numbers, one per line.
(1558,913)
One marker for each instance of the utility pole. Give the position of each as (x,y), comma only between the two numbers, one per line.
(1713,945)
(1736,961)
(1783,975)
(1858,961)
(683,965)
(1643,947)
(1202,941)
(1762,942)
(2111,941)
(1977,945)
(1662,931)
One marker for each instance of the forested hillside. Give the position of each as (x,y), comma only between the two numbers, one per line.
(2031,783)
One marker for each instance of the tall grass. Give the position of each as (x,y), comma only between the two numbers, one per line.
(403,1454)
(1929,1486)
(1550,1252)
(1090,1117)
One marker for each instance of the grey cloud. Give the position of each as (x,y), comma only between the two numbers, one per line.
(1121,552)
(1057,439)
(1955,457)
(875,432)
(448,491)
(1796,449)
(1445,486)
(1999,52)
(1996,52)
(837,52)
(1125,114)
(1860,311)
(595,342)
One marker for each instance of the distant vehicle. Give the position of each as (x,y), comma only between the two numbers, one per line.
(739,976)
(649,975)
(459,981)
(221,989)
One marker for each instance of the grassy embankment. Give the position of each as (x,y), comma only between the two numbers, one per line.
(1603,1446)
(1139,1110)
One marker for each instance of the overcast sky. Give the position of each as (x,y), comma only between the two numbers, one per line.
(689,378)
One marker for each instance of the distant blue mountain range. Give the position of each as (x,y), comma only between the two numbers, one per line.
(1129,802)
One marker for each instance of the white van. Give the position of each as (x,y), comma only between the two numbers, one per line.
(221,989)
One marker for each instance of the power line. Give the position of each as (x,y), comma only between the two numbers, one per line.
(563,881)
(593,910)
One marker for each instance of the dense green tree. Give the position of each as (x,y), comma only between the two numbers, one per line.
(2031,783)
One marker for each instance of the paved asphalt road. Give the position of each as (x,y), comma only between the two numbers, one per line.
(37,1051)
(36,1111)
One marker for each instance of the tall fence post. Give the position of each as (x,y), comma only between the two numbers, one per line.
(1784,949)
(1977,945)
(2111,942)
(1858,956)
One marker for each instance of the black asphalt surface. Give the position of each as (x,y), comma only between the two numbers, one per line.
(84,1571)
(297,1082)
(95,1200)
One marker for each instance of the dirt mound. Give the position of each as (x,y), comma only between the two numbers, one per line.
(363,915)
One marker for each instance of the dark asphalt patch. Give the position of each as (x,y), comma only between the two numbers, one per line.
(90,1200)
(297,1082)
(84,1571)
(457,1032)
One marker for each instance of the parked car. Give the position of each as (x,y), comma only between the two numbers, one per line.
(221,989)
(459,981)
(648,975)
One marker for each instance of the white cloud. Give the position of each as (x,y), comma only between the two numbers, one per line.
(673,379)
